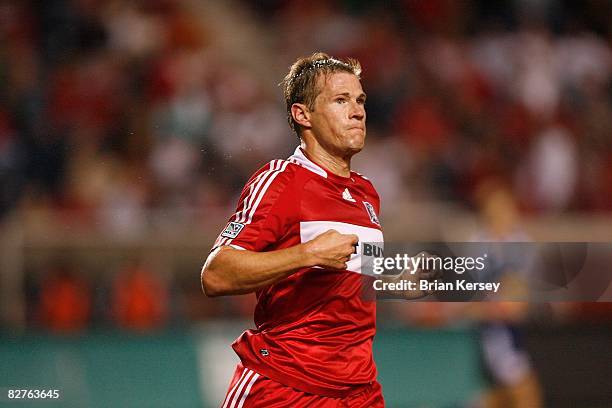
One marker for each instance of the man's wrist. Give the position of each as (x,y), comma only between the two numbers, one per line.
(307,257)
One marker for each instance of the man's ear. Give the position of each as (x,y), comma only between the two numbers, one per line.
(301,115)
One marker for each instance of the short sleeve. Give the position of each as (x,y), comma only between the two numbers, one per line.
(263,211)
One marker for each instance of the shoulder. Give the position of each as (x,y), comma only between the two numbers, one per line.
(276,175)
(280,169)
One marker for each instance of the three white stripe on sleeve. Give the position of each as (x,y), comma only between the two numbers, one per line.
(238,394)
(256,192)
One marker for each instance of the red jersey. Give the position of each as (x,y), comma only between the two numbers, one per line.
(314,328)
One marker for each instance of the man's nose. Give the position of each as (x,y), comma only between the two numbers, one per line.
(357,111)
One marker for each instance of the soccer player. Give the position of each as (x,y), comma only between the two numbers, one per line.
(294,241)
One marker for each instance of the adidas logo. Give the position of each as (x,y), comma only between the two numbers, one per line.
(347,196)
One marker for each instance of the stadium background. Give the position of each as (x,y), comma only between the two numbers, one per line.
(127,129)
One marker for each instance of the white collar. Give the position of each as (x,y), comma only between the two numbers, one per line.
(300,158)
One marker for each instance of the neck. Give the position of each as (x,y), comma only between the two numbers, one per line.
(340,166)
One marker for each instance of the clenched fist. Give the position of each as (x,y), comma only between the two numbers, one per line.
(332,249)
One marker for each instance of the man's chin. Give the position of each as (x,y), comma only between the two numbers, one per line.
(357,143)
(354,148)
(351,146)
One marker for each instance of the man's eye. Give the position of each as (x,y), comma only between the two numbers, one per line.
(341,100)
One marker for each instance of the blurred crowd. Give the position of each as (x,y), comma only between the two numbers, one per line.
(113,108)
(110,108)
(462,91)
(111,111)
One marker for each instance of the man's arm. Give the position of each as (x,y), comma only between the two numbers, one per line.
(229,271)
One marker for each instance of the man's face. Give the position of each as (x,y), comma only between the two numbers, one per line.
(338,118)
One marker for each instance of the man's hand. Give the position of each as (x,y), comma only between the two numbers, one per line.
(429,275)
(415,276)
(332,249)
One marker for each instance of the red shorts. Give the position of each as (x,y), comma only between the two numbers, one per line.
(251,390)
